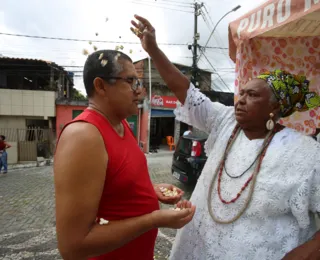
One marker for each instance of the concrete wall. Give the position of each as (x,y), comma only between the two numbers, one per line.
(64,115)
(13,153)
(12,122)
(15,102)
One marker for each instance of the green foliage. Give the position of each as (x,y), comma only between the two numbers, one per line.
(76,95)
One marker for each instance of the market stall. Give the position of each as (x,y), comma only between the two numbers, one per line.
(283,34)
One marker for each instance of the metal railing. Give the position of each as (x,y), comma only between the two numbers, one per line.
(31,142)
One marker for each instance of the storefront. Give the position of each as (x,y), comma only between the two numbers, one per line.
(162,122)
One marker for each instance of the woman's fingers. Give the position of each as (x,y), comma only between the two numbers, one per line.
(136,32)
(144,21)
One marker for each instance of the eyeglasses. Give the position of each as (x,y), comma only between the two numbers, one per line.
(133,81)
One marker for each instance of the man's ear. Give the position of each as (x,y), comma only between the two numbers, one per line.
(99,86)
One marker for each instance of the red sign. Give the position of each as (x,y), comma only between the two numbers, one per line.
(164,101)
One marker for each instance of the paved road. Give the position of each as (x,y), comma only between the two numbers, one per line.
(27,212)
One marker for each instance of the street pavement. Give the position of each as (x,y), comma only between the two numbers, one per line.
(27,221)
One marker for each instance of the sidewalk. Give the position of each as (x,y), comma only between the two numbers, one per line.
(23,165)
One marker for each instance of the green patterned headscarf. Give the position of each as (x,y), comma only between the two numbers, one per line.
(292,92)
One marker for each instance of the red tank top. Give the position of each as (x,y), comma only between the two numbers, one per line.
(128,191)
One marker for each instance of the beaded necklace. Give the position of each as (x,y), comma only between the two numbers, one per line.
(252,178)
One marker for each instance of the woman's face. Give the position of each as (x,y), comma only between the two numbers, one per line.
(254,107)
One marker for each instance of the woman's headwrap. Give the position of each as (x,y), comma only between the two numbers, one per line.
(292,92)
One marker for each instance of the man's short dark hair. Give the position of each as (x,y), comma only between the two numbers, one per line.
(102,63)
(3,137)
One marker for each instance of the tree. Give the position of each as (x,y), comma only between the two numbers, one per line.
(76,95)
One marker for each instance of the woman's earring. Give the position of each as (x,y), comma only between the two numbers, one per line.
(270,122)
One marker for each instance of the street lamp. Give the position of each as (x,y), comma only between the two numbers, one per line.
(233,10)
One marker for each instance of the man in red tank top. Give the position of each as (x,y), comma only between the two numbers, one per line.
(106,206)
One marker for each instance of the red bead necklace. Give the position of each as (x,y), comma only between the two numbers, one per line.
(232,138)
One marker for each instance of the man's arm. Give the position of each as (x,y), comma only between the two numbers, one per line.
(80,167)
(7,145)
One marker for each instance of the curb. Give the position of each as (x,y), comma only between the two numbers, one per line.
(47,162)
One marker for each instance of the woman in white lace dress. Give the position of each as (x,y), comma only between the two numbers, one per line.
(261,184)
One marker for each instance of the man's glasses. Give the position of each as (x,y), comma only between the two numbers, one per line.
(133,81)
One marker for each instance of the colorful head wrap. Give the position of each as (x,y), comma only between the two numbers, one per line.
(292,92)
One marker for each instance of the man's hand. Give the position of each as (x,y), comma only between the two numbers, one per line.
(168,218)
(146,33)
(307,251)
(168,200)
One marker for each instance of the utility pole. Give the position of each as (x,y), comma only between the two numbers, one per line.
(196,37)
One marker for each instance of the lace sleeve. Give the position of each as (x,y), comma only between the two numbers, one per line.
(199,111)
(306,197)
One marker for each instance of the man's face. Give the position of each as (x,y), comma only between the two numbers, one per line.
(253,107)
(121,96)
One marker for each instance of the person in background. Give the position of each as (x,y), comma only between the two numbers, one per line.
(260,186)
(106,205)
(3,154)
(189,131)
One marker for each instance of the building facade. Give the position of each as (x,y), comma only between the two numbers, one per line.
(156,119)
(28,90)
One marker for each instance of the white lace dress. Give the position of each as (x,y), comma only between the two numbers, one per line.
(287,190)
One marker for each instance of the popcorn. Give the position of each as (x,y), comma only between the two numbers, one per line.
(169,193)
(104,63)
(103,221)
(136,31)
(117,56)
(85,52)
(131,51)
(177,209)
(95,48)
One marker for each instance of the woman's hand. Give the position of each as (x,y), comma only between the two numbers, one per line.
(168,200)
(146,33)
(168,218)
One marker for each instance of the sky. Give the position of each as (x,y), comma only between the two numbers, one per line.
(108,20)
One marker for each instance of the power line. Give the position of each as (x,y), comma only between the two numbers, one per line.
(175,4)
(162,7)
(216,71)
(171,1)
(203,15)
(69,66)
(218,48)
(206,10)
(82,40)
(100,41)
